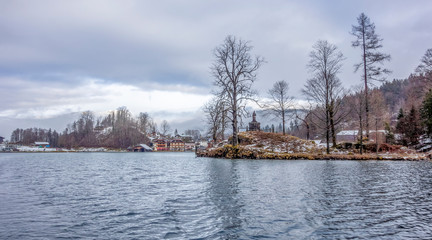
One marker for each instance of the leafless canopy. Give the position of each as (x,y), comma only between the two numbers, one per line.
(324,88)
(280,101)
(426,63)
(425,67)
(234,71)
(144,122)
(216,118)
(165,127)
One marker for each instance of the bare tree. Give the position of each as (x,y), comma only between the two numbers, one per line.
(324,88)
(304,119)
(372,59)
(165,127)
(280,102)
(215,117)
(235,71)
(88,137)
(425,69)
(144,122)
(426,63)
(153,127)
(357,101)
(122,127)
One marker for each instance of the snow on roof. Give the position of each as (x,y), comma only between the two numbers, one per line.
(348,133)
(41,143)
(355,132)
(145,146)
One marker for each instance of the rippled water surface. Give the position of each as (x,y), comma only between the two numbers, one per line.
(178,196)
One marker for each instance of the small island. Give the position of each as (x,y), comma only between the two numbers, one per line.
(263,145)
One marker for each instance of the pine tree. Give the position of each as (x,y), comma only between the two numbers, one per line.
(426,113)
(401,127)
(413,127)
(408,126)
(389,135)
(372,59)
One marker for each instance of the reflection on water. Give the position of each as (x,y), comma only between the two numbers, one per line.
(224,193)
(178,196)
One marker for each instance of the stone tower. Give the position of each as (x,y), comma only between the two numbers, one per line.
(254,125)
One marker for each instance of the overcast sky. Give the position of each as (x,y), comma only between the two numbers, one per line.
(58,58)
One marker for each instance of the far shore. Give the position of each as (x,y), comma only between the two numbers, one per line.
(252,155)
(90,151)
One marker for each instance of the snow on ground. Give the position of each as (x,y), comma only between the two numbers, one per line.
(36,149)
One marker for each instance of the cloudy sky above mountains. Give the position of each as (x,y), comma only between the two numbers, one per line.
(58,58)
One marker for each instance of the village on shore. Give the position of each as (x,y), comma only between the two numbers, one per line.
(178,143)
(255,144)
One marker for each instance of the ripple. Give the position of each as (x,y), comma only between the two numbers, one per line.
(178,196)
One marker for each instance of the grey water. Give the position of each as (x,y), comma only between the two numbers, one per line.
(178,196)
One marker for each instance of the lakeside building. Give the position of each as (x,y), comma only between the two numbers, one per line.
(354,135)
(160,145)
(140,148)
(190,146)
(177,145)
(41,144)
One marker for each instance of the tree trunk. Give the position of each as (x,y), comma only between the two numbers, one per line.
(361,134)
(327,109)
(366,85)
(234,124)
(327,133)
(283,122)
(332,127)
(214,136)
(223,123)
(376,134)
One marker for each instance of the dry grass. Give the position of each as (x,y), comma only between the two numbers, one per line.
(261,145)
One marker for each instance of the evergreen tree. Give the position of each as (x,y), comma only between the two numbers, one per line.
(389,135)
(413,127)
(408,126)
(371,58)
(426,113)
(401,127)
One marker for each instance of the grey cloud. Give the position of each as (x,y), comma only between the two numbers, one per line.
(53,45)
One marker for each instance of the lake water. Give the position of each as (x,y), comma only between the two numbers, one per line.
(178,196)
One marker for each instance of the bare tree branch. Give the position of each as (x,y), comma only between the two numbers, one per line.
(234,71)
